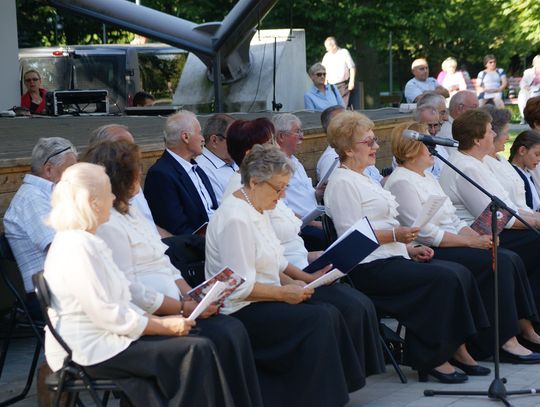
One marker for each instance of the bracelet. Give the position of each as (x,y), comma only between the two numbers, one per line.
(182,306)
(394,234)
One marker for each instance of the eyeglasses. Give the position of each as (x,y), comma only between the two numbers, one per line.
(320,74)
(369,142)
(422,68)
(433,125)
(298,133)
(275,188)
(55,154)
(31,79)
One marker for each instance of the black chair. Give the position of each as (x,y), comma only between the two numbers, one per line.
(71,378)
(391,342)
(15,315)
(186,253)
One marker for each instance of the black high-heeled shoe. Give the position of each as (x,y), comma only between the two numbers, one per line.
(450,378)
(471,370)
(533,347)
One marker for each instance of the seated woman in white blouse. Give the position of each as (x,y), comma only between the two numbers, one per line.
(525,156)
(93,313)
(473,131)
(413,291)
(357,310)
(506,175)
(302,350)
(453,240)
(139,252)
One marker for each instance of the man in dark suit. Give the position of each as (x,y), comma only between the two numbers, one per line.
(178,192)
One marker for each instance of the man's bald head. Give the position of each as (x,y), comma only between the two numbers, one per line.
(461,102)
(111,132)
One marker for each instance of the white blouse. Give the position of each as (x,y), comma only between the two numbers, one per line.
(411,191)
(350,196)
(139,252)
(242,239)
(91,301)
(468,200)
(509,179)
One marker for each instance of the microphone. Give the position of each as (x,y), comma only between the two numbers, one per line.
(429,140)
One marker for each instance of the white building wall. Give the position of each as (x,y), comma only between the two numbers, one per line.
(9,61)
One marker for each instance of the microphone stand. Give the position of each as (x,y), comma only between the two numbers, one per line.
(497,390)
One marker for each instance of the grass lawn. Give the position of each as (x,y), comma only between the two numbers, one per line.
(508,144)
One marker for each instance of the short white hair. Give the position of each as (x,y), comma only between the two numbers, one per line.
(283,122)
(178,123)
(72,196)
(50,150)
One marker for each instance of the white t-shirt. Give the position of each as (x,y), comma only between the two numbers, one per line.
(338,65)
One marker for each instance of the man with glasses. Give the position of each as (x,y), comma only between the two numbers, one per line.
(300,195)
(24,220)
(215,159)
(422,82)
(491,82)
(340,68)
(428,115)
(321,95)
(178,191)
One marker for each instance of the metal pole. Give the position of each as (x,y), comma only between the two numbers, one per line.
(104,33)
(390,68)
(218,91)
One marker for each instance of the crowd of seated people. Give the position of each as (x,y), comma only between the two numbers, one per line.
(107,246)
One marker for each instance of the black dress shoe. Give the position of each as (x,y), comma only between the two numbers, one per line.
(471,370)
(534,347)
(507,357)
(451,378)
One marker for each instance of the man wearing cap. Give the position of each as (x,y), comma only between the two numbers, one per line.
(422,82)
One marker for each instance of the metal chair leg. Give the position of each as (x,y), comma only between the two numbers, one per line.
(398,370)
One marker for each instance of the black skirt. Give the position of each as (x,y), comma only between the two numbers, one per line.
(168,371)
(516,300)
(438,302)
(361,318)
(302,352)
(527,244)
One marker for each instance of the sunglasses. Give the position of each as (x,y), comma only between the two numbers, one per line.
(369,142)
(320,74)
(31,79)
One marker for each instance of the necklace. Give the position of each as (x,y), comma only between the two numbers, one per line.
(247,199)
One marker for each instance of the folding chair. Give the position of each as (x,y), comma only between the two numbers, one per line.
(16,315)
(389,339)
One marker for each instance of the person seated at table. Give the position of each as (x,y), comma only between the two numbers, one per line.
(357,310)
(475,135)
(34,98)
(302,350)
(397,276)
(525,156)
(110,336)
(140,254)
(451,239)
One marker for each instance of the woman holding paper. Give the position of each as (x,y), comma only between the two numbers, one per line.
(396,276)
(302,350)
(92,311)
(475,135)
(138,251)
(453,240)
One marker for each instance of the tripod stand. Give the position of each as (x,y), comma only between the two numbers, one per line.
(497,389)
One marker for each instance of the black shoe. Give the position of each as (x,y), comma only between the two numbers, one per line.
(471,370)
(507,357)
(534,347)
(451,378)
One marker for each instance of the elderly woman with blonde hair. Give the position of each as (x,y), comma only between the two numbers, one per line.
(92,310)
(397,276)
(452,239)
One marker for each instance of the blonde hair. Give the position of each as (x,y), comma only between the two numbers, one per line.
(342,129)
(405,149)
(72,196)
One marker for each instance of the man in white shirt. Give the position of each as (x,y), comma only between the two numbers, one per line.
(215,159)
(428,115)
(178,191)
(300,195)
(24,221)
(421,82)
(340,68)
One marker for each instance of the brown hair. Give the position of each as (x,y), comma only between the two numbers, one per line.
(527,139)
(405,149)
(470,126)
(342,129)
(122,162)
(531,113)
(242,135)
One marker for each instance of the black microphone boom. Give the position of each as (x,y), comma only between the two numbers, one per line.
(429,140)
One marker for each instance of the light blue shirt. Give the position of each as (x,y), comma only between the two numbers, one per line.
(219,172)
(314,99)
(26,232)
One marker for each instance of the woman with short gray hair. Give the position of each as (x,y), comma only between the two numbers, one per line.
(270,304)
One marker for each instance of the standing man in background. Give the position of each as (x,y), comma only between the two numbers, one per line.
(340,68)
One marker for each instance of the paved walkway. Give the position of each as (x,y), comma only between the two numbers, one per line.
(381,391)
